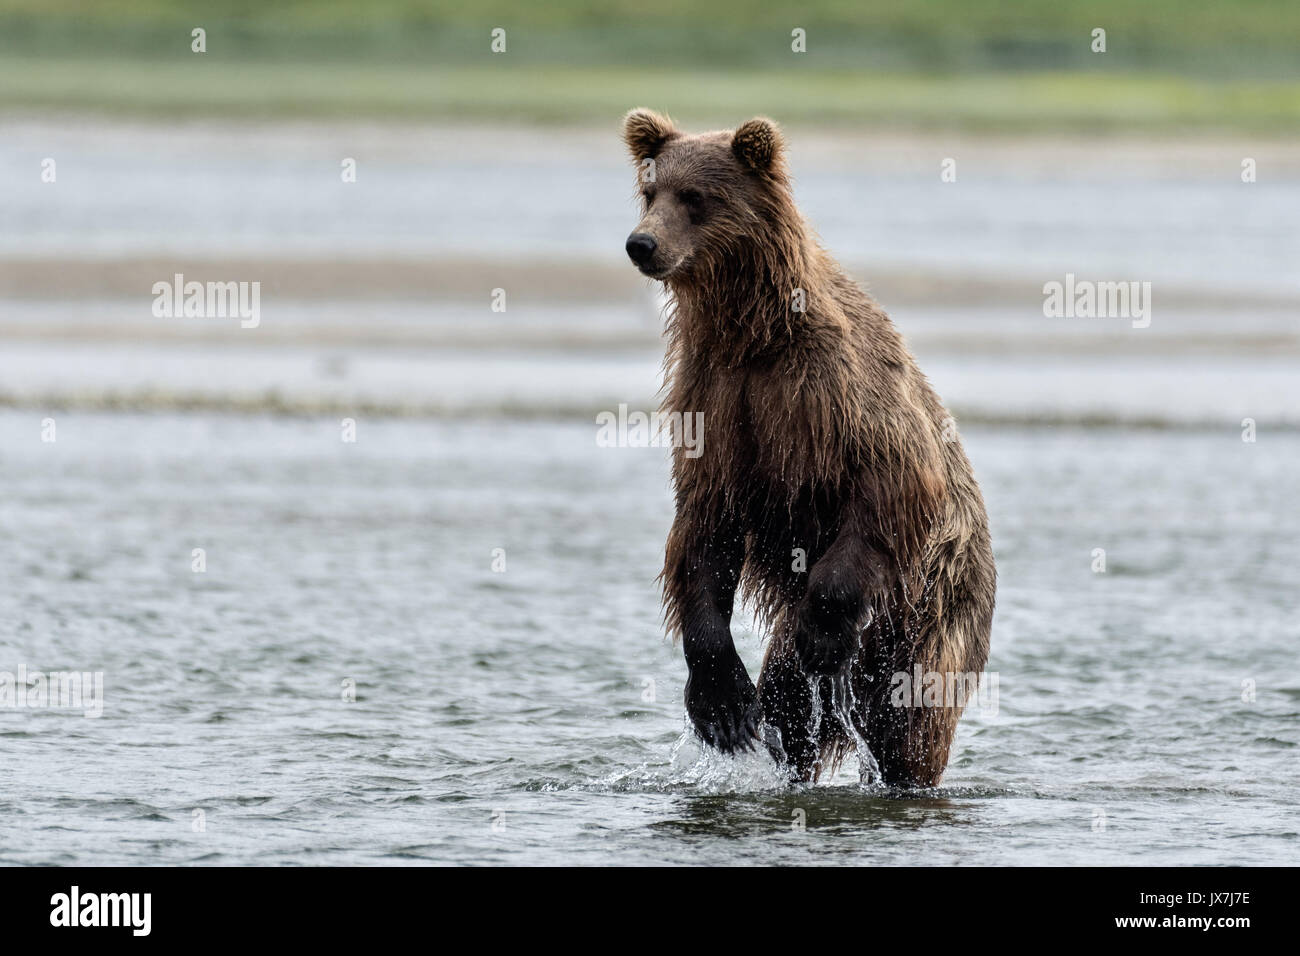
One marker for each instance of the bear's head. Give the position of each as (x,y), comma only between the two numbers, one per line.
(705,197)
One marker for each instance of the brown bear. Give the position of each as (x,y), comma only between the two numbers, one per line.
(832,491)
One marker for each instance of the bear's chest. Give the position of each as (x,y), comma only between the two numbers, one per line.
(764,432)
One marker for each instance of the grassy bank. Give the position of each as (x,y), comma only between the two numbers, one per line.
(1081,102)
(1013,64)
(1201,37)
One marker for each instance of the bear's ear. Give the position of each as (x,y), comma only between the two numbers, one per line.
(645,133)
(758,144)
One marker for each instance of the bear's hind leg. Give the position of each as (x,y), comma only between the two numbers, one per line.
(914,754)
(909,740)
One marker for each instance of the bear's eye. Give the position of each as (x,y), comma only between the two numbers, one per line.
(694,204)
(648,194)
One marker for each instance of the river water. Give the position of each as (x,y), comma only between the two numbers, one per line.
(532,714)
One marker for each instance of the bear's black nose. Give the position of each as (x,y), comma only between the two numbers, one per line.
(641,247)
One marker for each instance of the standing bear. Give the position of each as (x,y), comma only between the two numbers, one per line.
(832,491)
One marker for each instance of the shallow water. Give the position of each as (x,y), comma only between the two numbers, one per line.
(1105,208)
(506,717)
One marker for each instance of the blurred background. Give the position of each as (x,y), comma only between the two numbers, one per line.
(477,170)
(487,179)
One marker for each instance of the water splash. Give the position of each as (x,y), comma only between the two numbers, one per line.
(843,701)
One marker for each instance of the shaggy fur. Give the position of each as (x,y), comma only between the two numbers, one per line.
(822,437)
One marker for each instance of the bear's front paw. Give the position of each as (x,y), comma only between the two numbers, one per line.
(821,649)
(723,705)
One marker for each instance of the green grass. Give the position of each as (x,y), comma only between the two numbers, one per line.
(511,91)
(983,64)
(1231,38)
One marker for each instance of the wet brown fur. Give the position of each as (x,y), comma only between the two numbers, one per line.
(820,434)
